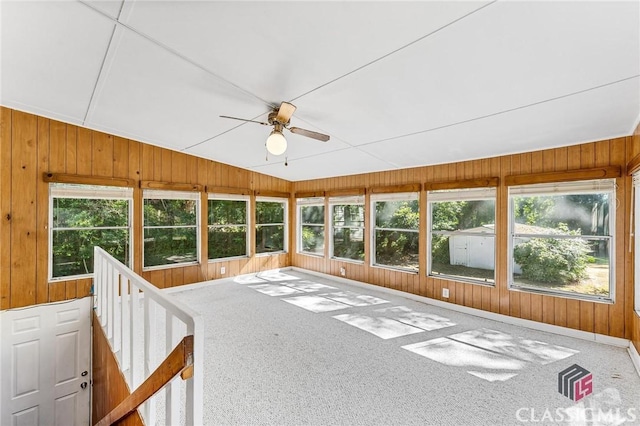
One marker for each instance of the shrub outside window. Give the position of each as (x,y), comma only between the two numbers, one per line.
(395,236)
(347,228)
(461,242)
(271,225)
(84,216)
(311,226)
(170,224)
(227,219)
(562,238)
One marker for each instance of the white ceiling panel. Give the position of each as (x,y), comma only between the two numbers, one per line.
(378,77)
(110,7)
(155,95)
(338,163)
(508,55)
(51,57)
(280,50)
(542,126)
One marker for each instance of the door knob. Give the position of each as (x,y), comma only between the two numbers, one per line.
(83,385)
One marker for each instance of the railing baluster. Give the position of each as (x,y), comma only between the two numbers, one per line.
(110,302)
(134,324)
(149,351)
(126,320)
(172,389)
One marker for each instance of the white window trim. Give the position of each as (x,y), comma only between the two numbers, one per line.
(57,190)
(396,196)
(635,220)
(475,194)
(285,243)
(309,202)
(231,197)
(599,186)
(343,201)
(155,194)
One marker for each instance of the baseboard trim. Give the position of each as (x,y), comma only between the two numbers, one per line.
(534,325)
(635,357)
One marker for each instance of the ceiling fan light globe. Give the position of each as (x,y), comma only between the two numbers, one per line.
(276,143)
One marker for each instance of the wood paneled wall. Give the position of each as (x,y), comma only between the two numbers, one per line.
(109,386)
(31,145)
(609,319)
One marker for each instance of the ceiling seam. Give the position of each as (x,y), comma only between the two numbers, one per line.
(501,112)
(396,50)
(177,54)
(99,76)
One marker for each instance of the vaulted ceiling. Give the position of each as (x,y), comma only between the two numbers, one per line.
(395,84)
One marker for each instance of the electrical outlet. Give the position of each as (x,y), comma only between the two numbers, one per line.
(343,271)
(445,293)
(223,270)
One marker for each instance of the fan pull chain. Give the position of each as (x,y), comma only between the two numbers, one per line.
(286,161)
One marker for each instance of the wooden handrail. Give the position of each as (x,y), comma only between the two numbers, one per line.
(180,360)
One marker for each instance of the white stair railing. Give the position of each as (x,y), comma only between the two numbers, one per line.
(143,325)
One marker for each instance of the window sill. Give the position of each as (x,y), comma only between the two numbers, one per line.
(346,260)
(452,278)
(226,259)
(271,253)
(573,296)
(70,278)
(395,268)
(304,253)
(171,266)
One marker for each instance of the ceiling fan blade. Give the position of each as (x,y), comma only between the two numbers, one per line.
(285,112)
(244,119)
(308,133)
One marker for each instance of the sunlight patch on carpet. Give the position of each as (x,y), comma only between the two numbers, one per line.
(385,328)
(421,320)
(316,303)
(354,299)
(275,290)
(527,350)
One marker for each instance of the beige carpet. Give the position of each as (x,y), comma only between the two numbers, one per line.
(290,349)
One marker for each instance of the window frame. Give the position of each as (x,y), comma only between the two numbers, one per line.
(636,243)
(310,202)
(357,200)
(558,189)
(155,194)
(385,197)
(449,195)
(87,192)
(231,197)
(285,225)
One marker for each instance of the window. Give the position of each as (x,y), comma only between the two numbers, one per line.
(84,216)
(311,225)
(347,228)
(170,228)
(396,219)
(461,236)
(227,220)
(271,225)
(562,238)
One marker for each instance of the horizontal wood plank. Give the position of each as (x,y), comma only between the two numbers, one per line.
(412,187)
(346,192)
(88,180)
(463,184)
(171,186)
(268,193)
(228,190)
(310,194)
(571,175)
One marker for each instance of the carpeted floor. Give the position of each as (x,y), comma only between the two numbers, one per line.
(292,349)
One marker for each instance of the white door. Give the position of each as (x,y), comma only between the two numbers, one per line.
(45,364)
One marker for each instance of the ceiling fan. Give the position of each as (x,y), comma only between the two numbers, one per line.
(279,118)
